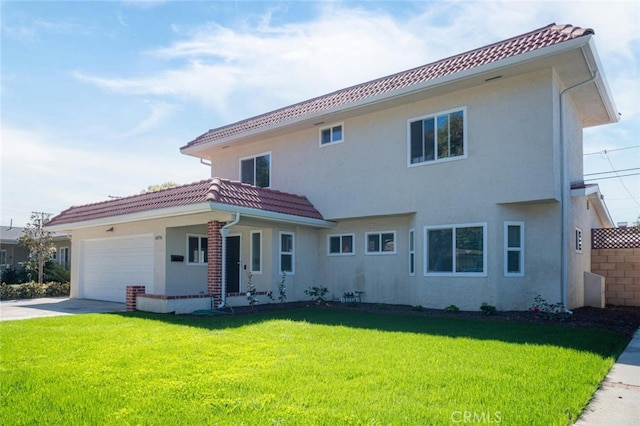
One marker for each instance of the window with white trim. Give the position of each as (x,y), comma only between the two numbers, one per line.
(514,249)
(341,244)
(3,257)
(412,252)
(380,242)
(578,240)
(287,254)
(256,252)
(332,134)
(256,170)
(197,249)
(437,137)
(456,249)
(63,258)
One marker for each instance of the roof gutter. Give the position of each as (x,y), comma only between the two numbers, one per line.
(133,217)
(565,186)
(272,216)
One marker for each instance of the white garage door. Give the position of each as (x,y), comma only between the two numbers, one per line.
(110,265)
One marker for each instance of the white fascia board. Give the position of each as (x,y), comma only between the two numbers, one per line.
(592,58)
(272,216)
(134,217)
(430,84)
(592,192)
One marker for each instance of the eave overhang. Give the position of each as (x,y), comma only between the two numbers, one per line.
(525,62)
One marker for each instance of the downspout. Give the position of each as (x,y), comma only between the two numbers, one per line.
(224,231)
(564,193)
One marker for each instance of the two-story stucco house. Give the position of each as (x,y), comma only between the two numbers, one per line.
(457,182)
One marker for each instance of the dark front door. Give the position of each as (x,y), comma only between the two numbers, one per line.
(233,264)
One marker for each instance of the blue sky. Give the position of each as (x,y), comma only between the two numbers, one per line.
(97,97)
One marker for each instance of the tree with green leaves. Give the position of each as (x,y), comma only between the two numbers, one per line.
(154,188)
(38,241)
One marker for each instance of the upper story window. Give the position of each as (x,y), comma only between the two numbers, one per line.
(256,170)
(437,137)
(332,134)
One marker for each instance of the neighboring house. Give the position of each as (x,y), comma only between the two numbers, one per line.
(457,182)
(15,256)
(12,254)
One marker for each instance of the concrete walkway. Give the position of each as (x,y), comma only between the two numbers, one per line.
(617,401)
(52,306)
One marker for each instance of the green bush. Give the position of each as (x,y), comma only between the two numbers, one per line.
(55,289)
(8,291)
(32,290)
(452,308)
(488,309)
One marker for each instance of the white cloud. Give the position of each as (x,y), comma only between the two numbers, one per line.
(38,175)
(159,112)
(239,70)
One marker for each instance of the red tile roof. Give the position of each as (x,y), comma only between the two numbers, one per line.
(238,194)
(216,190)
(543,37)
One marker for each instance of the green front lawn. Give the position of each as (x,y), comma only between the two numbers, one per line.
(304,366)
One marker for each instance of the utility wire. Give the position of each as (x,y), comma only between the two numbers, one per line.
(605,151)
(621,181)
(605,173)
(616,177)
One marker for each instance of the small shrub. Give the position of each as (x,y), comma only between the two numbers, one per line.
(32,290)
(317,293)
(282,289)
(251,291)
(56,289)
(452,308)
(8,291)
(488,309)
(549,311)
(417,308)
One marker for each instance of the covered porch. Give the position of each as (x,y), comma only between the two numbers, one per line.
(197,246)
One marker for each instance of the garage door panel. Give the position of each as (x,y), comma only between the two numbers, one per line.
(109,265)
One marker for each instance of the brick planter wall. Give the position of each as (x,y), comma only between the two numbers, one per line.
(621,269)
(132,294)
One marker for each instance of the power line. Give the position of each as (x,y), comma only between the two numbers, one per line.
(606,151)
(616,177)
(604,173)
(621,181)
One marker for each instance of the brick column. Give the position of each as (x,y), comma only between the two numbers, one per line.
(214,261)
(132,293)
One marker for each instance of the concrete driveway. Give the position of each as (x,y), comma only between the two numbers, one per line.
(53,306)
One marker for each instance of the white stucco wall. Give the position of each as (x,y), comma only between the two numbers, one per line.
(511,172)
